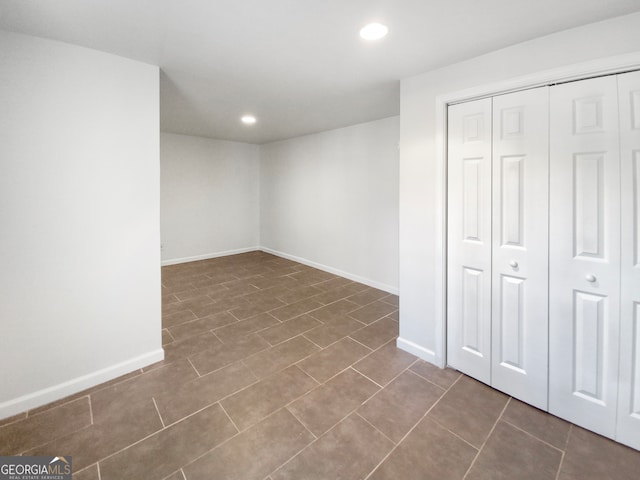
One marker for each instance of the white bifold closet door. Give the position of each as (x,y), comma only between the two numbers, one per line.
(469,239)
(584,253)
(497,242)
(520,245)
(628,431)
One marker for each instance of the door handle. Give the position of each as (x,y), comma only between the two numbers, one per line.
(590,278)
(513,264)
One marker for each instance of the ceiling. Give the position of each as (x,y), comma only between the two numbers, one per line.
(298,65)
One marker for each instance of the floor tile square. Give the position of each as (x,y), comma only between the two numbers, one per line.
(511,453)
(326,405)
(547,428)
(289,329)
(254,453)
(168,450)
(254,403)
(333,330)
(428,453)
(268,362)
(483,404)
(385,363)
(334,310)
(377,334)
(397,408)
(39,429)
(326,363)
(201,392)
(227,353)
(589,456)
(443,377)
(372,312)
(354,447)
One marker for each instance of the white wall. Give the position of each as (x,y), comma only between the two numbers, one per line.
(421,168)
(209,197)
(331,200)
(79,216)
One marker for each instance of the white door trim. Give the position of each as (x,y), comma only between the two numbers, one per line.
(579,71)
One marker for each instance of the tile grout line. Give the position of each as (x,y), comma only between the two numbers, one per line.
(295,363)
(532,435)
(355,412)
(28,414)
(428,380)
(566,444)
(186,322)
(358,372)
(83,469)
(487,439)
(230,419)
(169,333)
(193,366)
(299,334)
(214,334)
(315,437)
(360,343)
(90,408)
(158,412)
(370,379)
(343,338)
(305,336)
(335,375)
(411,372)
(434,420)
(560,466)
(16,420)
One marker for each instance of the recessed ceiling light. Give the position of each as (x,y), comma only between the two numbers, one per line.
(248,119)
(373,31)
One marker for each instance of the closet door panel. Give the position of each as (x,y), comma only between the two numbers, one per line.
(628,431)
(584,282)
(520,245)
(469,239)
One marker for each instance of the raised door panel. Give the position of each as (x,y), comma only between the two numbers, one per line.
(520,245)
(628,430)
(469,239)
(584,253)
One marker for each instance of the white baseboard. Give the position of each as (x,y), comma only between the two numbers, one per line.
(56,392)
(335,271)
(304,261)
(419,351)
(176,261)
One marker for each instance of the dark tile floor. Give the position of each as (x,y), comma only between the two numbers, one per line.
(276,371)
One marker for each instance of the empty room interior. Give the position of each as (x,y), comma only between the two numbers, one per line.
(280,239)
